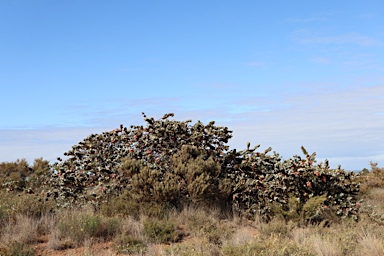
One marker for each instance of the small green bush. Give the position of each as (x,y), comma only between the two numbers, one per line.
(129,244)
(79,226)
(161,231)
(206,223)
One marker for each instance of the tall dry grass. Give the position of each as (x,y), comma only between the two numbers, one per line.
(151,229)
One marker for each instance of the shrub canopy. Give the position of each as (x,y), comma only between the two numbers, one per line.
(180,163)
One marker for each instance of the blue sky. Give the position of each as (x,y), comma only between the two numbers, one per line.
(278,73)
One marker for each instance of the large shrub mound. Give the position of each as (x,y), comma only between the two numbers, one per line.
(96,167)
(179,163)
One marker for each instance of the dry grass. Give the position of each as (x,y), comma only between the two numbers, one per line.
(324,247)
(370,245)
(204,233)
(192,231)
(23,230)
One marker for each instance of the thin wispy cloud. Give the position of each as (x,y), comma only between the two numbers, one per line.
(351,38)
(316,17)
(362,61)
(367,15)
(257,64)
(321,60)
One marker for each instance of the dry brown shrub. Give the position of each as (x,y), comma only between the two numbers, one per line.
(23,229)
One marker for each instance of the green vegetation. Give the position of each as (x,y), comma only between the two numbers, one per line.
(78,226)
(174,183)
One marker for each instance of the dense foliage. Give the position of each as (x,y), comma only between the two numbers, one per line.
(262,180)
(177,163)
(97,167)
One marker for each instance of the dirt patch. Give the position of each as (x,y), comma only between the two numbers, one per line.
(96,249)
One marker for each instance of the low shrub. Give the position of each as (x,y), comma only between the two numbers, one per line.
(161,231)
(276,227)
(271,246)
(79,226)
(197,247)
(129,244)
(124,206)
(373,178)
(203,222)
(13,203)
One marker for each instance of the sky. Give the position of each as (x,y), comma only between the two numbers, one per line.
(283,74)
